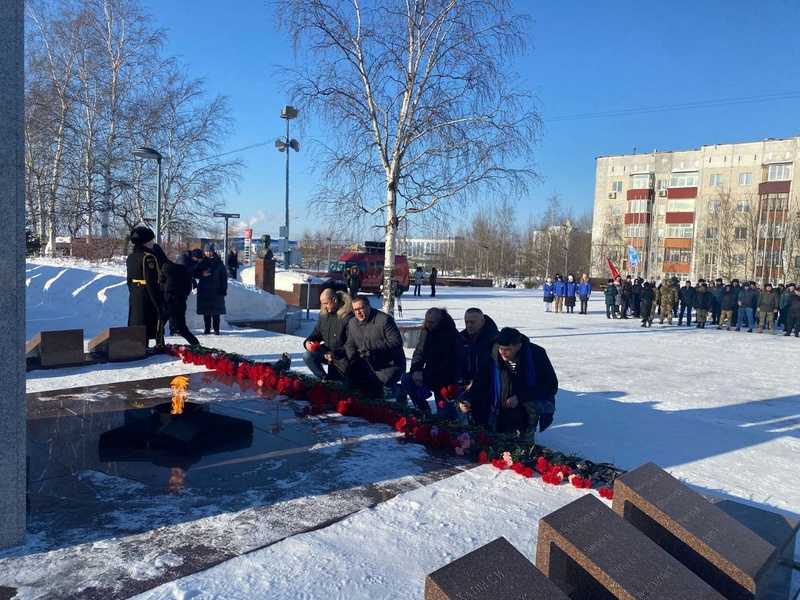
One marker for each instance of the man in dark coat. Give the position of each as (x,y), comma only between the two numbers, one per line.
(747,297)
(432,281)
(433,364)
(702,304)
(727,303)
(232,262)
(686,296)
(475,363)
(325,345)
(146,304)
(374,350)
(646,299)
(524,386)
(793,316)
(212,287)
(177,287)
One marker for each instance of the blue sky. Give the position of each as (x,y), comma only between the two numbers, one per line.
(733,66)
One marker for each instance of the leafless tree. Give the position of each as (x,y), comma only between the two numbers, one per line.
(424,114)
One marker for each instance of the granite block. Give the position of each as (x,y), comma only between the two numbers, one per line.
(120,343)
(57,348)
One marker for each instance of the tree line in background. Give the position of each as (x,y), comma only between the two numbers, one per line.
(493,245)
(98,85)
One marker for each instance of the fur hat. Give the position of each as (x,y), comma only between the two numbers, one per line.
(209,248)
(142,235)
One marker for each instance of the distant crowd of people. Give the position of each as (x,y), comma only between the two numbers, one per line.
(738,305)
(503,380)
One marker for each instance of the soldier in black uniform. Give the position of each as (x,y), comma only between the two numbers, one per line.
(146,304)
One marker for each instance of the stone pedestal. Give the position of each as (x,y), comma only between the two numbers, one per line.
(56,348)
(265,274)
(120,343)
(12,275)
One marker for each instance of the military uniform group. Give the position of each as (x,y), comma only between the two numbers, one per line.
(738,305)
(503,380)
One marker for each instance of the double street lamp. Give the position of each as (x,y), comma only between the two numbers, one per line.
(288,113)
(150,154)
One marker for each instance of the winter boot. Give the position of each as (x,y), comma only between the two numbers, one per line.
(283,363)
(703,325)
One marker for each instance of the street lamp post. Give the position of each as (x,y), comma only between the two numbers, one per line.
(288,113)
(330,243)
(566,256)
(149,153)
(483,272)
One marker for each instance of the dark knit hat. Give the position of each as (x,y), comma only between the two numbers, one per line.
(209,248)
(197,253)
(142,235)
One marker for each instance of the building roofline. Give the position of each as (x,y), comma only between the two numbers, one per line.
(656,151)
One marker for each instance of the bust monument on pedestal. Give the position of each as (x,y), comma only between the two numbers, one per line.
(265,266)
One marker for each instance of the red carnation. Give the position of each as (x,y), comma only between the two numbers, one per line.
(483,458)
(606,493)
(314,346)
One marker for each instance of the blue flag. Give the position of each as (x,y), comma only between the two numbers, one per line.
(633,257)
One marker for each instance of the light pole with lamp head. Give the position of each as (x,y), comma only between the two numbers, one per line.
(149,153)
(288,113)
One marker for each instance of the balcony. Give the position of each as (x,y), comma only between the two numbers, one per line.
(682,192)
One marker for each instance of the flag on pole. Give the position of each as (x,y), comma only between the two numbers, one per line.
(633,257)
(614,272)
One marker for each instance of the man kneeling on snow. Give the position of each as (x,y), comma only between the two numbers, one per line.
(524,386)
(325,346)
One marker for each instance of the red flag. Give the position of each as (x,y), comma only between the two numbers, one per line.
(614,272)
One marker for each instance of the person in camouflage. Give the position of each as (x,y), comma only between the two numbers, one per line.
(669,295)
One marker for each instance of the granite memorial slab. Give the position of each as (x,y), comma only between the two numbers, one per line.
(56,348)
(497,570)
(120,343)
(717,547)
(591,553)
(265,274)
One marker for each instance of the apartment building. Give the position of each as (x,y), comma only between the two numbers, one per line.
(723,210)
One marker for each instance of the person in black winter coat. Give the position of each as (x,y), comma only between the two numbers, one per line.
(686,295)
(146,305)
(212,287)
(177,287)
(232,262)
(374,348)
(793,317)
(646,299)
(433,364)
(475,363)
(524,386)
(325,346)
(702,304)
(636,298)
(727,305)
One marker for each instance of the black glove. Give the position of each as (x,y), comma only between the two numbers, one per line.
(545,419)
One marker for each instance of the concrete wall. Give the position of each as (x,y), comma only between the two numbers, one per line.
(12,275)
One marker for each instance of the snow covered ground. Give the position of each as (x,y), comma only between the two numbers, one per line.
(717,409)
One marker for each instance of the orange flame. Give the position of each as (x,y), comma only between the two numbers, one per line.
(180,389)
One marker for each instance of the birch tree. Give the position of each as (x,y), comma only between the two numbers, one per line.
(423,111)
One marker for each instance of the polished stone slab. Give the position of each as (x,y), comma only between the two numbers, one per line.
(591,553)
(120,343)
(496,570)
(731,558)
(48,349)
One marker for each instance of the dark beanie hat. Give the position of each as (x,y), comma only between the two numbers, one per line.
(142,235)
(209,248)
(197,253)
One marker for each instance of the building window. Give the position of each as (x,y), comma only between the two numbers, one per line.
(779,172)
(771,230)
(711,233)
(716,180)
(616,210)
(745,178)
(743,206)
(636,230)
(709,259)
(641,181)
(714,207)
(797,262)
(616,186)
(662,184)
(738,259)
(638,206)
(769,257)
(740,233)
(677,255)
(682,230)
(684,179)
(682,205)
(777,201)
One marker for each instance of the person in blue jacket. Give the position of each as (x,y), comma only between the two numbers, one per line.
(584,291)
(560,290)
(569,294)
(548,295)
(611,299)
